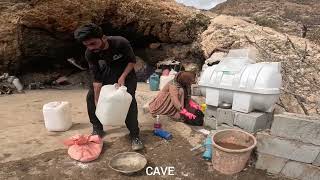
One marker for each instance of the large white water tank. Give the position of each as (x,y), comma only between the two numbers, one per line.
(113,105)
(249,87)
(57,116)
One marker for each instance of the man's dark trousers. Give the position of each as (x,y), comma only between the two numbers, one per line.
(132,117)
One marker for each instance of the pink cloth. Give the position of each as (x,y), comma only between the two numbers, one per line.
(84,148)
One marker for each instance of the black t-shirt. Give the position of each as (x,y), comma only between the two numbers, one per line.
(108,65)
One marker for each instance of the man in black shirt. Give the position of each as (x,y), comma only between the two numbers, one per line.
(111,60)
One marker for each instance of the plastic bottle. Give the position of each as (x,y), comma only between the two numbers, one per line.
(162,133)
(157,124)
(208,146)
(203,108)
(16,82)
(154,82)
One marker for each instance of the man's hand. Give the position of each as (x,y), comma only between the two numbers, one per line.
(121,81)
(127,70)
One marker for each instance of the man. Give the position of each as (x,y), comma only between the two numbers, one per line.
(111,61)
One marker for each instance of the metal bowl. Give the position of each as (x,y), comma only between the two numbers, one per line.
(225,105)
(128,162)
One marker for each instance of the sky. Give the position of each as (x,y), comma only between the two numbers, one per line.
(201,4)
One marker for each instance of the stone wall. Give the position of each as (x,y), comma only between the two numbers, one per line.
(218,118)
(287,144)
(291,148)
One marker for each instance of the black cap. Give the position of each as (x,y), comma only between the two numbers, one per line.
(88,31)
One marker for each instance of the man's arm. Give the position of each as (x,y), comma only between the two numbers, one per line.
(128,69)
(97,84)
(96,89)
(128,52)
(94,69)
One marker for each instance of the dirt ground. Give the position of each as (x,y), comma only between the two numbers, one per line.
(28,151)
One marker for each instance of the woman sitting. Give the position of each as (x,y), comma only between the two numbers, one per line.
(175,97)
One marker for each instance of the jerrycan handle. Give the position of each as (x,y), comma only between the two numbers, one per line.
(122,88)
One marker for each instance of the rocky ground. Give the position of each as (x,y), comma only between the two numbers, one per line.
(28,151)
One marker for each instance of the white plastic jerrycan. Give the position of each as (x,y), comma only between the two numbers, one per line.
(165,79)
(113,105)
(57,116)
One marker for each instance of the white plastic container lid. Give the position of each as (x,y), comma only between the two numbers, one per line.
(54,105)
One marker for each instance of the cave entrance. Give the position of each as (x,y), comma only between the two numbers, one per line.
(45,52)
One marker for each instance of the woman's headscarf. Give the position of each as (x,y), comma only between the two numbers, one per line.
(185,79)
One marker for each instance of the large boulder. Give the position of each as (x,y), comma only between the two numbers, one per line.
(41,31)
(298,56)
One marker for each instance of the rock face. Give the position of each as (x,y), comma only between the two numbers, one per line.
(41,31)
(166,20)
(39,34)
(9,35)
(185,53)
(298,56)
(300,18)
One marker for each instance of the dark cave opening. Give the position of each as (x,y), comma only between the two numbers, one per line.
(46,52)
(137,39)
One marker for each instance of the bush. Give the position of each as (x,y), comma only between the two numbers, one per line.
(266,22)
(314,35)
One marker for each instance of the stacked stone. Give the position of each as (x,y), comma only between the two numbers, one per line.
(217,118)
(292,148)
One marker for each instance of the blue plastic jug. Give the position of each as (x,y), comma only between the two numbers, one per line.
(154,82)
